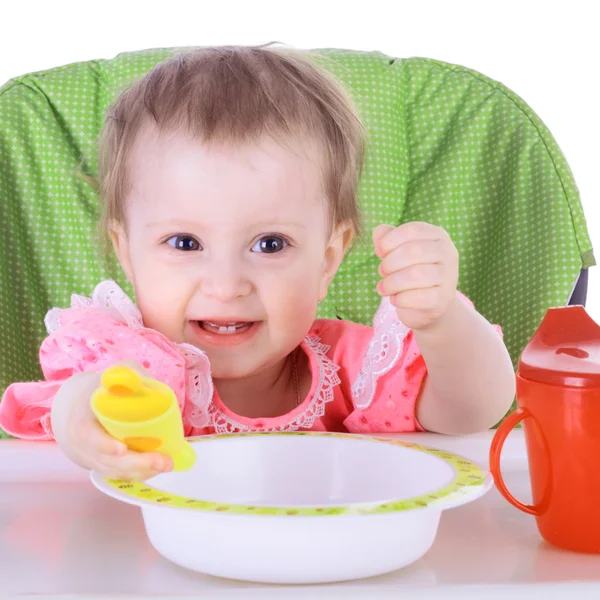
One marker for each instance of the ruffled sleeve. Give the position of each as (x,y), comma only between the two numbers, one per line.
(25,409)
(389,379)
(92,335)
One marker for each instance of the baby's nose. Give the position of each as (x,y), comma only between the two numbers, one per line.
(225,282)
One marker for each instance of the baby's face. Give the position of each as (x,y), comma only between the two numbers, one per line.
(227,247)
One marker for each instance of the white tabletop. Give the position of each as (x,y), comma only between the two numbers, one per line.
(60,537)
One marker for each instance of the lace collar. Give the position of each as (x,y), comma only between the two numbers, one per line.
(325,378)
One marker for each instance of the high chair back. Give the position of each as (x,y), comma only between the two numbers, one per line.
(447,145)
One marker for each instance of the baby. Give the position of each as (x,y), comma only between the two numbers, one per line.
(229,178)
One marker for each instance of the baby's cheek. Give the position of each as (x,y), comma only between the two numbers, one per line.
(298,300)
(161,310)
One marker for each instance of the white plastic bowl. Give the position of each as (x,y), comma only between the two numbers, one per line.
(301,507)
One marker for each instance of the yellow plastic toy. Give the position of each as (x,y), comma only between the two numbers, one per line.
(143,414)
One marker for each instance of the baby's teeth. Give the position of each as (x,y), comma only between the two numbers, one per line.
(227,329)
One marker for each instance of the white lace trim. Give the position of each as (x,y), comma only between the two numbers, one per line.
(383,353)
(109,297)
(328,379)
(106,295)
(198,386)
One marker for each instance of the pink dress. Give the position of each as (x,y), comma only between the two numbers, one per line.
(364,379)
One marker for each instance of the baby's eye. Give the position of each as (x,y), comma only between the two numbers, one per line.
(270,244)
(184,242)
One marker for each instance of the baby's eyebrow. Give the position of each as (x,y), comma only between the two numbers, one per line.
(179,224)
(195,224)
(275,224)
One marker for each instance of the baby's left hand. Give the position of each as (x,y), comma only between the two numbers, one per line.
(419,267)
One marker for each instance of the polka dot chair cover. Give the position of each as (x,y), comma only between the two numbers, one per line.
(447,145)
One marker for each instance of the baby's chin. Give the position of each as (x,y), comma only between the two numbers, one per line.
(220,370)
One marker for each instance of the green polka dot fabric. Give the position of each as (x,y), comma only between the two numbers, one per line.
(447,145)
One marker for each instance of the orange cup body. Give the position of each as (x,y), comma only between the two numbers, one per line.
(562,434)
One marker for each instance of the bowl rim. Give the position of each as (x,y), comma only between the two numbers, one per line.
(470,481)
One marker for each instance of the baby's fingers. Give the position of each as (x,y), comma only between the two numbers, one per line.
(135,466)
(412,278)
(378,234)
(102,443)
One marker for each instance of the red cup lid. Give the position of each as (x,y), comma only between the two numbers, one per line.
(565,349)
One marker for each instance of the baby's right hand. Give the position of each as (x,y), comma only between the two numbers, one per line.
(86,442)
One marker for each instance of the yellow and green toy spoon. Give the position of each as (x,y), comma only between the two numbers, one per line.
(142,413)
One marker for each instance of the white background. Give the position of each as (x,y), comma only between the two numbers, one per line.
(547,52)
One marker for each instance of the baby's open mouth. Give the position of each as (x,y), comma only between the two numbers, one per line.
(227,328)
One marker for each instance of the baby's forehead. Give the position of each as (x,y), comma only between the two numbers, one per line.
(176,175)
(276,148)
(177,158)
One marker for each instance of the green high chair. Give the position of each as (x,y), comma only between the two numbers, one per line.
(447,145)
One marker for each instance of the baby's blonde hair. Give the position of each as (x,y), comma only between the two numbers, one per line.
(236,94)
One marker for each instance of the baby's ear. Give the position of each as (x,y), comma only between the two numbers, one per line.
(120,243)
(339,243)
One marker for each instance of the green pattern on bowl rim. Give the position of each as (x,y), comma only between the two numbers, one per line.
(468,479)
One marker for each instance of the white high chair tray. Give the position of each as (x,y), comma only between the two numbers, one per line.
(60,537)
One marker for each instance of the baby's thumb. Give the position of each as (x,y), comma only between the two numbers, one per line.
(378,234)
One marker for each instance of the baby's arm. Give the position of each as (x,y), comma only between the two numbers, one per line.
(86,443)
(470,381)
